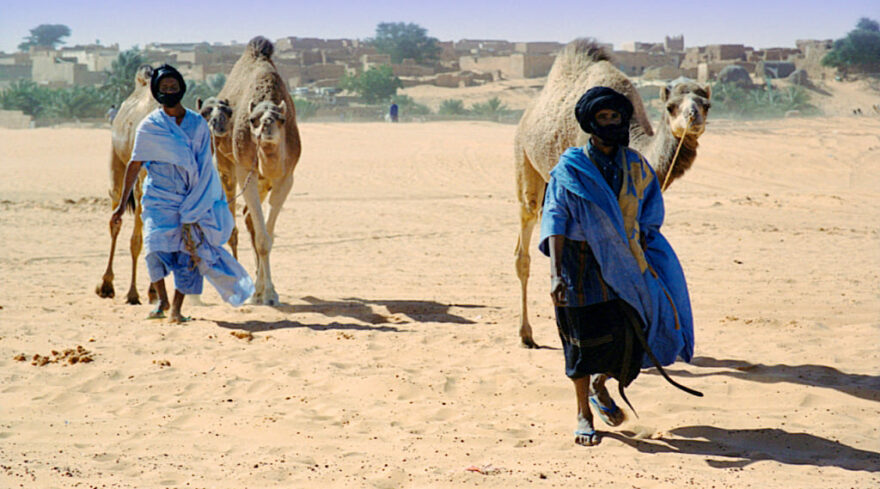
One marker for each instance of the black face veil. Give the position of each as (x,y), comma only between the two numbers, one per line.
(599,98)
(167,99)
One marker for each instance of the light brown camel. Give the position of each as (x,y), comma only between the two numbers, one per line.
(137,106)
(259,150)
(548,127)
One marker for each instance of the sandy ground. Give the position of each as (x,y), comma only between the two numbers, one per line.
(394,360)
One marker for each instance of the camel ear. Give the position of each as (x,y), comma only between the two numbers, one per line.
(283,108)
(664,93)
(224,101)
(708,89)
(199,103)
(251,107)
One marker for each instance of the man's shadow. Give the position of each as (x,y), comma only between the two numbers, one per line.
(748,446)
(857,385)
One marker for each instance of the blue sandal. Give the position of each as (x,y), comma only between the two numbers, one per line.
(606,413)
(591,434)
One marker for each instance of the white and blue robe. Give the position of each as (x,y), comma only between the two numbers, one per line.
(183,187)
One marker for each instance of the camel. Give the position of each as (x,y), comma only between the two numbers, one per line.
(548,127)
(259,149)
(137,106)
(218,114)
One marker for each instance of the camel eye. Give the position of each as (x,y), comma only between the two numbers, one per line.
(254,121)
(670,108)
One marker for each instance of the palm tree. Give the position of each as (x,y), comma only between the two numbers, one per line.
(77,103)
(26,96)
(120,76)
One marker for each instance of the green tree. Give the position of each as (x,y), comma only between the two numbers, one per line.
(859,50)
(77,103)
(492,109)
(409,106)
(120,76)
(305,108)
(405,41)
(45,35)
(451,107)
(196,90)
(378,84)
(26,96)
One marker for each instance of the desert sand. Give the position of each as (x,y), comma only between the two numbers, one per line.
(394,360)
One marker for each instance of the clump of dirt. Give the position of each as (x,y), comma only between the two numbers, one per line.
(162,363)
(243,335)
(70,356)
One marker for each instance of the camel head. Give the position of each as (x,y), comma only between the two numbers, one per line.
(143,75)
(687,106)
(266,121)
(218,113)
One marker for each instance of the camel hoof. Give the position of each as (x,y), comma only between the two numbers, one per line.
(105,290)
(133,299)
(528,342)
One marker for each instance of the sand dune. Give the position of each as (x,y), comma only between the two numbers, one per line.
(394,359)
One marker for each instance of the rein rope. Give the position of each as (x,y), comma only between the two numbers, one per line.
(230,157)
(675,158)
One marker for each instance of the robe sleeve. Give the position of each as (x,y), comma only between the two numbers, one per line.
(556,214)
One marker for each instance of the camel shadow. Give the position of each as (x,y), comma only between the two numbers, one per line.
(747,446)
(857,385)
(261,326)
(361,310)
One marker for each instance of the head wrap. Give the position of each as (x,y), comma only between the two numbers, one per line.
(599,98)
(167,99)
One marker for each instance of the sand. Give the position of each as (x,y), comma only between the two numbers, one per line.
(394,360)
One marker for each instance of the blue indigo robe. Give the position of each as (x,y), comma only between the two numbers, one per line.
(581,206)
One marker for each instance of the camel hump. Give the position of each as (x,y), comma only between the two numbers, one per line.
(582,48)
(260,47)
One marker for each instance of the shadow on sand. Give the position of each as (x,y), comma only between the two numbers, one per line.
(260,326)
(754,445)
(857,385)
(360,310)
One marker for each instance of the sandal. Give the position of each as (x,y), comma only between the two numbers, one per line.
(591,436)
(612,416)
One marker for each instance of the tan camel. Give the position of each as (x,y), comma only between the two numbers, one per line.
(259,149)
(548,127)
(137,106)
(218,113)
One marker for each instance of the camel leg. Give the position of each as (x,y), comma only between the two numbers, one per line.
(227,177)
(137,243)
(276,200)
(530,192)
(117,172)
(105,288)
(262,241)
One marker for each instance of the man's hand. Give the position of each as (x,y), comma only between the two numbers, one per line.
(116,219)
(558,287)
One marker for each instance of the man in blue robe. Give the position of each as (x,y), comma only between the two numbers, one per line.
(184,210)
(611,269)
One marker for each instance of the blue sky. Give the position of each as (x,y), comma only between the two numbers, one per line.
(755,23)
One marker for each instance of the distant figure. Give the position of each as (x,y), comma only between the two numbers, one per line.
(392,112)
(111,113)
